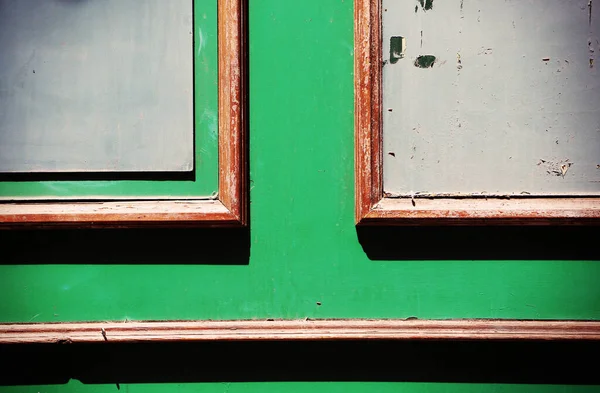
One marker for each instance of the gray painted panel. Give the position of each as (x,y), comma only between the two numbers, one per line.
(511,104)
(96,85)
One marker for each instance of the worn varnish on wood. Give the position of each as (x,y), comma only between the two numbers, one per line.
(299,330)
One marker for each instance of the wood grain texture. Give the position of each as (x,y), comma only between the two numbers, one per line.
(289,330)
(371,205)
(367,106)
(470,211)
(232,108)
(230,206)
(116,214)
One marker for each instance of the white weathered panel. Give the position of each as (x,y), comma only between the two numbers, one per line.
(96,85)
(511,104)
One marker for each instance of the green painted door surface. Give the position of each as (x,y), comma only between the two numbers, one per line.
(306,260)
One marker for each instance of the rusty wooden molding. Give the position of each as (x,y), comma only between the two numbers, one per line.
(117,214)
(481,211)
(227,208)
(372,207)
(367,106)
(298,330)
(233,47)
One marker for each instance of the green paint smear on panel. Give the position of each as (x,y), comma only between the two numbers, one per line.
(301,387)
(426,4)
(205,181)
(425,61)
(304,245)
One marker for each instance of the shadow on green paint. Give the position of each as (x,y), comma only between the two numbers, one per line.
(393,361)
(479,243)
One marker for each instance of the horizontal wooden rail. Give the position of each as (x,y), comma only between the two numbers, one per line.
(116,214)
(295,330)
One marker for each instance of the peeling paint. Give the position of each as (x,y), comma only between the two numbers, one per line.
(397,49)
(514,84)
(591,51)
(425,61)
(556,167)
(426,4)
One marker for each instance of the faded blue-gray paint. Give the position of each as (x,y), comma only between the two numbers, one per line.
(510,106)
(96,85)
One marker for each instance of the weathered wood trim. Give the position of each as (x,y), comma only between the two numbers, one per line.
(367,106)
(469,211)
(60,333)
(117,214)
(230,207)
(372,208)
(232,107)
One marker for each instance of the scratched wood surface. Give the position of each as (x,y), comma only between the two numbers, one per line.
(367,106)
(298,330)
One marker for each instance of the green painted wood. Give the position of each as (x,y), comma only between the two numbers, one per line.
(302,387)
(205,180)
(304,244)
